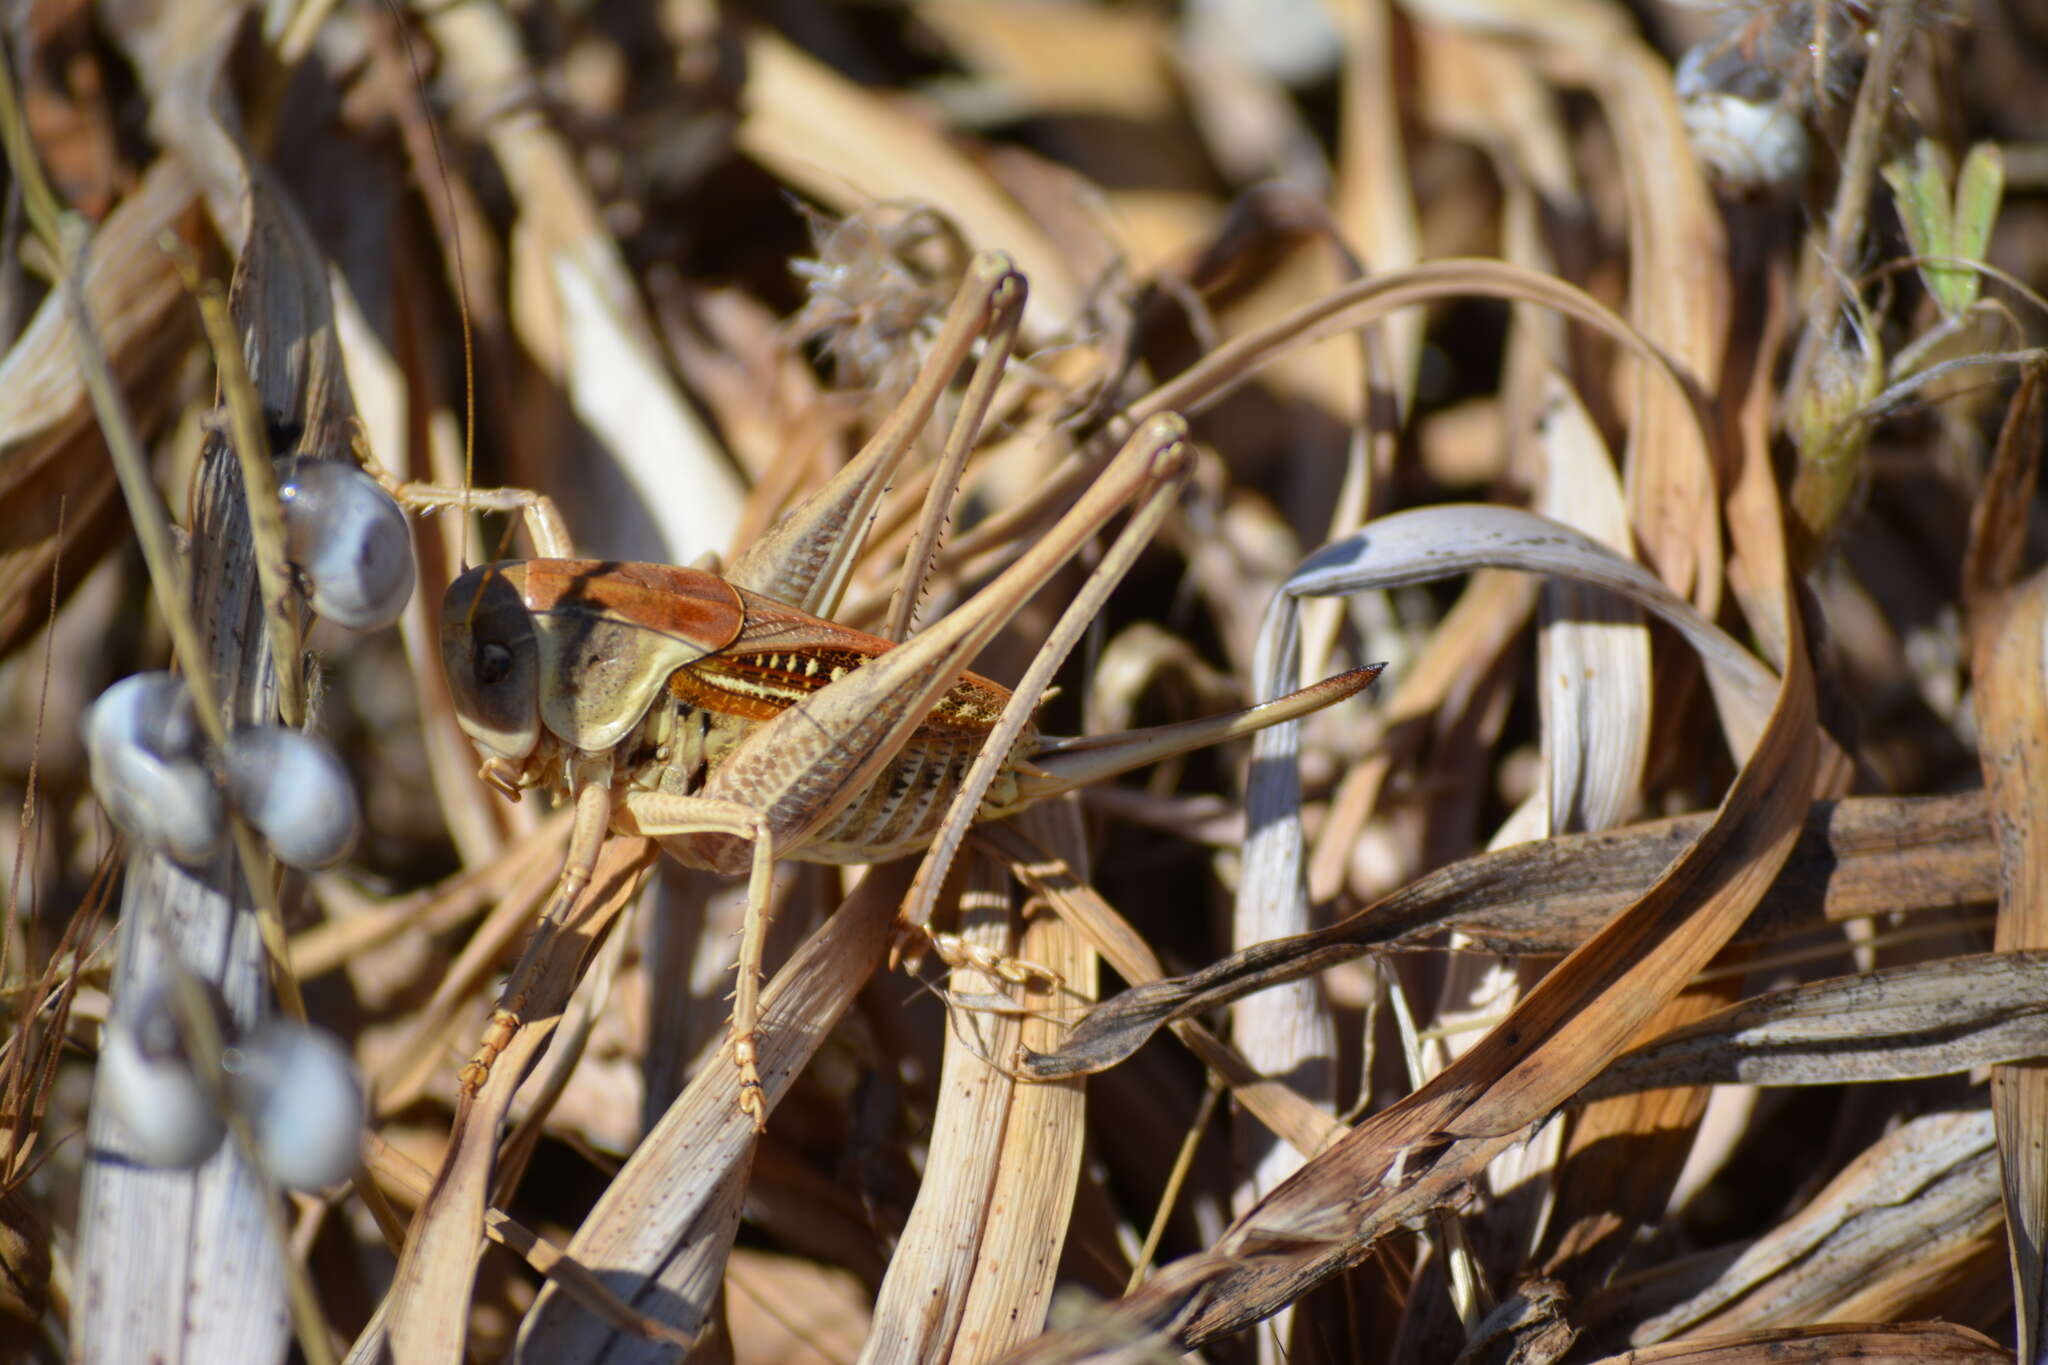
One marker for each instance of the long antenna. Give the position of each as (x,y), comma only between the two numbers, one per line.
(451,227)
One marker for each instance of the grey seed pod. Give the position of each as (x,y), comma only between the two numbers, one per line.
(349,541)
(298,1088)
(295,792)
(143,741)
(147,1079)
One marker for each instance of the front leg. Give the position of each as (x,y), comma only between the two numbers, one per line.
(661,816)
(543,520)
(586,839)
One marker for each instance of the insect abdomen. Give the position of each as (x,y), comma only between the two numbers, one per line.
(901,810)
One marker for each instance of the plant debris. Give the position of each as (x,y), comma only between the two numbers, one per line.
(1649,967)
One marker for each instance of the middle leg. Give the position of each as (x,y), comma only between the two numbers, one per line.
(662,816)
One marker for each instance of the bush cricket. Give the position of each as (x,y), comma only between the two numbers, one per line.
(726,717)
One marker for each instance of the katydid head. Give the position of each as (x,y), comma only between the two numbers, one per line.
(551,658)
(491,657)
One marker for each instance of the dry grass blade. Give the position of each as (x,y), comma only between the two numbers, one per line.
(415,1067)
(1679,295)
(1414,1155)
(1288,1033)
(1355,305)
(1374,199)
(428,1311)
(1044,1139)
(670,1235)
(937,1256)
(1931,1185)
(1595,693)
(1903,1023)
(1488,617)
(1678,298)
(2013,697)
(1288,1115)
(1595,662)
(1926,1343)
(582,316)
(982,1240)
(46,430)
(415,1182)
(1434,542)
(2010,627)
(1864,857)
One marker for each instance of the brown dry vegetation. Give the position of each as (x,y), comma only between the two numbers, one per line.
(1650,965)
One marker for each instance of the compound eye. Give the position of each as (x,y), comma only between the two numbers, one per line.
(493,662)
